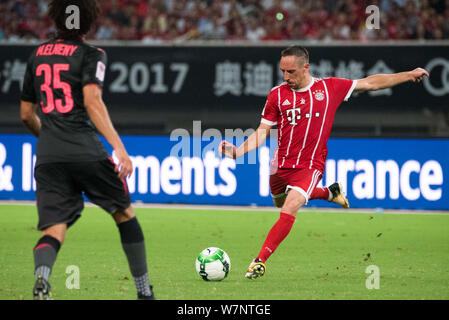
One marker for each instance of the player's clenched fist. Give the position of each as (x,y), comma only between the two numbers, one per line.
(418,74)
(227,149)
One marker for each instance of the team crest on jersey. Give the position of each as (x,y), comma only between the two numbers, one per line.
(319,95)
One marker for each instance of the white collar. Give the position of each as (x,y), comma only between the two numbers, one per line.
(307,87)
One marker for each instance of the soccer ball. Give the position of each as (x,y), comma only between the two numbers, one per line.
(213,264)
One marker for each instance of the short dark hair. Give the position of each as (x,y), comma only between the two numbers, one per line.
(88,9)
(298,51)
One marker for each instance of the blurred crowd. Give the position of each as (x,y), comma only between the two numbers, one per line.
(159,21)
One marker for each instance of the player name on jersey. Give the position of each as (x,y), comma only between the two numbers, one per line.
(58,49)
(55,75)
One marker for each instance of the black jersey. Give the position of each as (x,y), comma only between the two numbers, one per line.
(55,76)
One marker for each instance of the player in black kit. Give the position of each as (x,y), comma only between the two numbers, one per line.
(62,105)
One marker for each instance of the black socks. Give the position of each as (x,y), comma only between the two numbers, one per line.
(45,253)
(134,246)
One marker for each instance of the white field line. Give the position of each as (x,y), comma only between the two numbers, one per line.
(251,208)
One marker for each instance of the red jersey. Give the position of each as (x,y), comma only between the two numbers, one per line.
(304,119)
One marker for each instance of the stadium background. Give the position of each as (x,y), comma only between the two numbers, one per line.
(174,63)
(181,75)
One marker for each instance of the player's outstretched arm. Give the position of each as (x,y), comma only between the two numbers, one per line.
(100,117)
(383,81)
(29,117)
(253,142)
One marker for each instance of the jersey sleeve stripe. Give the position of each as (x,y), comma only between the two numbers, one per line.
(268,122)
(354,83)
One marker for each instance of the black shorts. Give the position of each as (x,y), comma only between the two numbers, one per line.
(60,188)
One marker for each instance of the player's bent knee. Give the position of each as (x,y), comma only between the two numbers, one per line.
(290,209)
(293,202)
(124,215)
(57,231)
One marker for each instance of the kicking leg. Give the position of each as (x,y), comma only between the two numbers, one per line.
(321,193)
(133,244)
(334,193)
(338,194)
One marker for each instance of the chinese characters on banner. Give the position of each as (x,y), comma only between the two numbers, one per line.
(250,78)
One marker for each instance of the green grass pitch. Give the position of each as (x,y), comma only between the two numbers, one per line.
(324,257)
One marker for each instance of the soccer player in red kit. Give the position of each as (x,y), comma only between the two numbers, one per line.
(303,110)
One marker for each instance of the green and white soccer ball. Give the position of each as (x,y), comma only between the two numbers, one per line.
(213,264)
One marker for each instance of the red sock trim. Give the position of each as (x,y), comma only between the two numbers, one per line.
(48,241)
(43,245)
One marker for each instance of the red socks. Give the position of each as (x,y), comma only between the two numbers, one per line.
(320,193)
(276,235)
(282,227)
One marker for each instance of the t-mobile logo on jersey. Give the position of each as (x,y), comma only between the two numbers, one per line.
(295,114)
